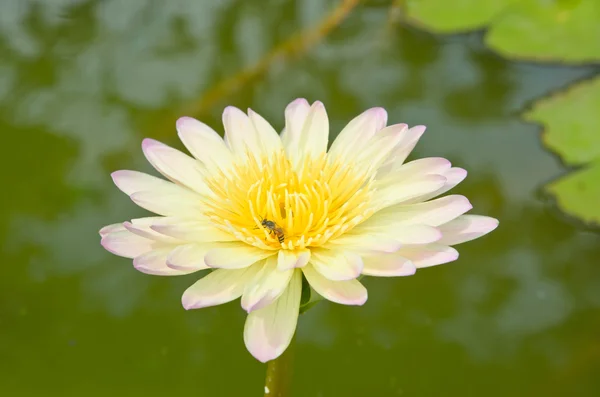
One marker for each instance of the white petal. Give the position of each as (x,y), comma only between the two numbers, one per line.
(288,259)
(194,231)
(126,244)
(295,116)
(115,227)
(217,287)
(169,203)
(466,228)
(352,139)
(428,255)
(407,190)
(130,182)
(204,143)
(395,232)
(366,242)
(269,331)
(142,227)
(177,166)
(336,264)
(157,195)
(433,213)
(240,134)
(348,292)
(453,177)
(417,234)
(315,134)
(265,133)
(188,257)
(235,256)
(155,262)
(403,148)
(266,287)
(388,265)
(380,147)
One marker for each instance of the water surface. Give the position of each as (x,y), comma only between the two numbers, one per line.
(82,82)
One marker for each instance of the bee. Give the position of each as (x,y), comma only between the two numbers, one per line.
(273,228)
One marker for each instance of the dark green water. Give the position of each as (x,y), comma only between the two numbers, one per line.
(82,82)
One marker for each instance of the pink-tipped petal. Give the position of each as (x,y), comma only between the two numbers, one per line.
(380,147)
(240,135)
(204,143)
(155,263)
(417,234)
(404,192)
(336,265)
(130,182)
(217,287)
(466,228)
(388,265)
(115,227)
(126,244)
(432,213)
(192,231)
(170,201)
(352,139)
(349,292)
(188,257)
(175,165)
(266,287)
(428,255)
(269,331)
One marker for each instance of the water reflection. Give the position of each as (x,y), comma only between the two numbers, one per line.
(85,80)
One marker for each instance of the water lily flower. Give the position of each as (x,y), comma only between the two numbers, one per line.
(266,210)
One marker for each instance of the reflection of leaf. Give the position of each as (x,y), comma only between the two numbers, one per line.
(572,129)
(549,30)
(578,193)
(443,16)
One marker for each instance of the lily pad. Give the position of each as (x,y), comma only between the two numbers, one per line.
(444,16)
(578,194)
(571,122)
(565,31)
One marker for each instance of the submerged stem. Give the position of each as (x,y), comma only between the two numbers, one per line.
(279,373)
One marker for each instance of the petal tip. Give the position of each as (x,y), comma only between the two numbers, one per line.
(184,121)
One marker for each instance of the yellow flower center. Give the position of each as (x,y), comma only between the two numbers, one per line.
(270,204)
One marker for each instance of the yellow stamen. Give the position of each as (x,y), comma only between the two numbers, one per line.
(312,203)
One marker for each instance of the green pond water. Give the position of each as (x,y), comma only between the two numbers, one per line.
(83,82)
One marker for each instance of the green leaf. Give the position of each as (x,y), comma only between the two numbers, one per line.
(446,16)
(541,30)
(309,296)
(571,121)
(578,194)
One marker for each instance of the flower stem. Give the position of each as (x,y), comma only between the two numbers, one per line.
(279,374)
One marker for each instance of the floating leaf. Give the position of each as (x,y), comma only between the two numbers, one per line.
(571,123)
(566,31)
(578,193)
(444,16)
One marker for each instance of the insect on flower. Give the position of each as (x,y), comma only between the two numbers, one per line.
(273,228)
